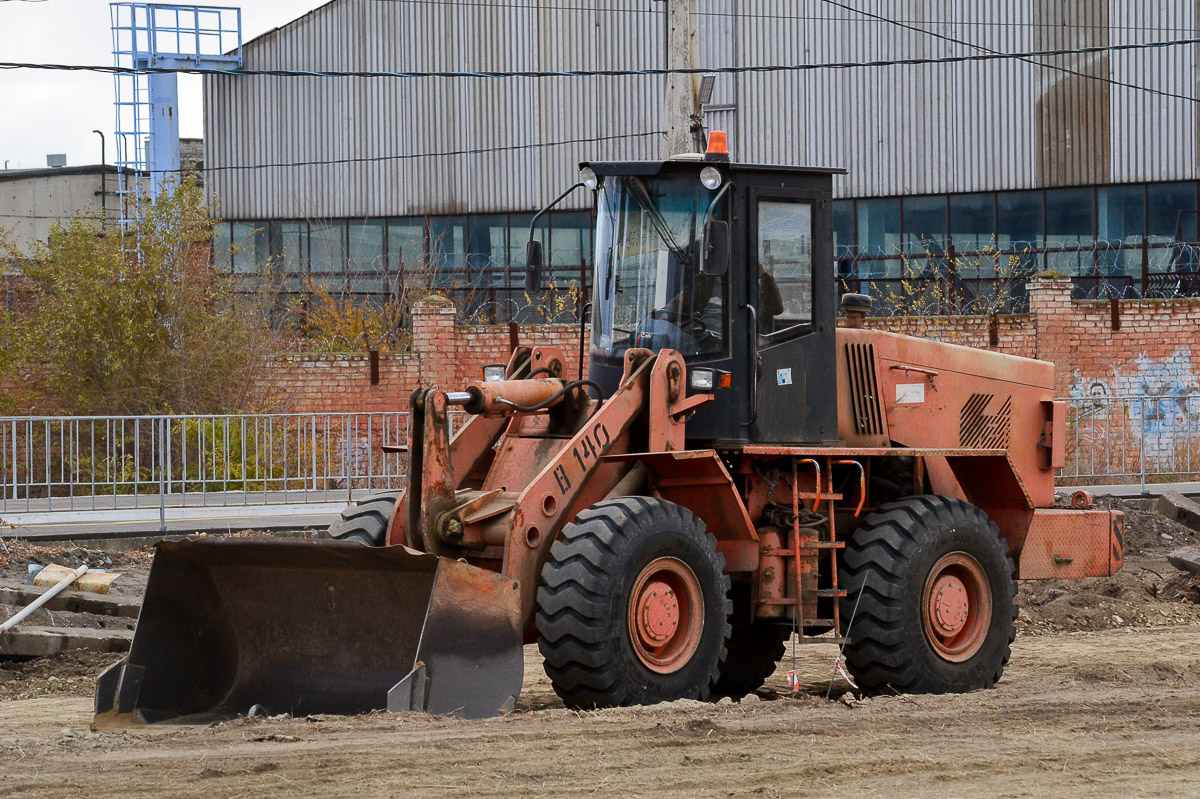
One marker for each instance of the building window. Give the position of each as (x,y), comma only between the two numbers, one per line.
(518,238)
(487,256)
(1069,229)
(924,225)
(448,249)
(222,247)
(327,254)
(250,249)
(406,244)
(570,243)
(365,259)
(1171,211)
(879,235)
(973,235)
(289,244)
(1019,217)
(1120,224)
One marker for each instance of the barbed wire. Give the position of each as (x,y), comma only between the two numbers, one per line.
(929,280)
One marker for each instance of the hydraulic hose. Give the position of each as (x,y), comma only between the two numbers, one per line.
(555,397)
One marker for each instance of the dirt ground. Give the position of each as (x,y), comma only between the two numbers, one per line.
(1102,698)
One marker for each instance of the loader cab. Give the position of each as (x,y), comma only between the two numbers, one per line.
(731,265)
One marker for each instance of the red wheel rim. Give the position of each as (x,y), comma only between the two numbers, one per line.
(956,608)
(666,615)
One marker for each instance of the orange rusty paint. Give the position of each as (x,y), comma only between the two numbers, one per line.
(771,576)
(572,470)
(956,607)
(1068,543)
(666,390)
(862,483)
(698,481)
(499,396)
(1054,435)
(549,358)
(805,560)
(942,396)
(1082,499)
(471,453)
(665,615)
(437,474)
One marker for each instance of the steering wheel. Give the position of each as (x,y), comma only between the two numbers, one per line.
(693,324)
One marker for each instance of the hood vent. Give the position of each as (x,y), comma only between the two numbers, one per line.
(979,429)
(864,389)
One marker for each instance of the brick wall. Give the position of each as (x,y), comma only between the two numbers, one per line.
(1155,351)
(443,355)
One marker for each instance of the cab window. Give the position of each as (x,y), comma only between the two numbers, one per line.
(785,275)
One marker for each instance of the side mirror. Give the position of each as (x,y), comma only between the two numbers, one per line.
(714,252)
(533,265)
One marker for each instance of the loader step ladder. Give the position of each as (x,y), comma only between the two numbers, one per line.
(808,548)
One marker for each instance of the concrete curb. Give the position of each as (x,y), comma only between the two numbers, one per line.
(1180,508)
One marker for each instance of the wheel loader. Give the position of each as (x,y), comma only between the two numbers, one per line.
(737,471)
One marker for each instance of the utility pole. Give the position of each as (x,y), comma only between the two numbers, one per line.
(679,101)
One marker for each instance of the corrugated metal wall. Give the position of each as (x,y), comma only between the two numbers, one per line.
(1011,124)
(899,130)
(272,120)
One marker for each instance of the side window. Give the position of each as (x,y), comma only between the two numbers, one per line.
(785,275)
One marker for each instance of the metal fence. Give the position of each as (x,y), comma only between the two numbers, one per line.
(120,462)
(1127,439)
(117,462)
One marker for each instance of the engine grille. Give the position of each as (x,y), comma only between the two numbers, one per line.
(980,430)
(864,389)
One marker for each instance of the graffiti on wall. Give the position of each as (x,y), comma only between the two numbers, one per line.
(1155,407)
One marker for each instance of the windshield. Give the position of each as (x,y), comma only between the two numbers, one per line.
(649,290)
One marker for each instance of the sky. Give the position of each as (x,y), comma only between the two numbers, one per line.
(56,112)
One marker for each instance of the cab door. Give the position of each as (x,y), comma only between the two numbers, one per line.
(790,283)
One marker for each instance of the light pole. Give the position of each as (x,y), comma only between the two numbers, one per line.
(103,183)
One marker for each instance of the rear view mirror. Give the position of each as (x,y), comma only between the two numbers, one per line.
(714,253)
(533,265)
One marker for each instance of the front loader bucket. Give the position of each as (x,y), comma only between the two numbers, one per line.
(305,627)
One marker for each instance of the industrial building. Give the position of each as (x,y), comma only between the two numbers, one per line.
(32,201)
(965,173)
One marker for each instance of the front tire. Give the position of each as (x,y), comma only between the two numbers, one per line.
(366,521)
(938,598)
(633,606)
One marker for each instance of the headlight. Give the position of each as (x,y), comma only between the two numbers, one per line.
(588,178)
(711,178)
(493,372)
(703,379)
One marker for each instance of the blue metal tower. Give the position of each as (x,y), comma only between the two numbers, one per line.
(149,35)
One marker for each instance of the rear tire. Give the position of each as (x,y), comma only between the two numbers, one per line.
(366,521)
(633,606)
(937,610)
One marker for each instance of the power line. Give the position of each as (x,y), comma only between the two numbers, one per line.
(379,158)
(411,156)
(1030,61)
(583,73)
